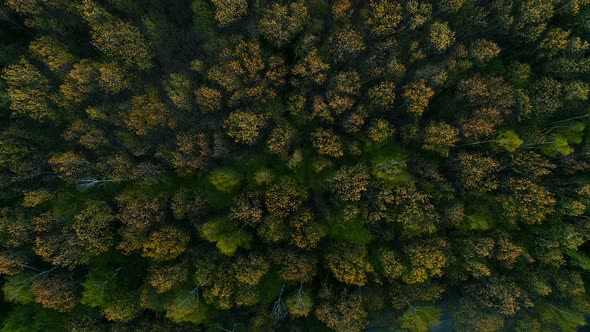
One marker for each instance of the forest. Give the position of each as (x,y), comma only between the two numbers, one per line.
(294,165)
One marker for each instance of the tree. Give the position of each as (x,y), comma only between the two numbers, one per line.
(391,267)
(327,143)
(341,9)
(86,134)
(122,307)
(562,318)
(474,253)
(53,53)
(530,164)
(147,114)
(508,140)
(469,317)
(17,288)
(15,228)
(227,236)
(347,43)
(24,6)
(205,270)
(440,137)
(417,97)
(246,75)
(222,291)
(192,151)
(383,94)
(306,232)
(350,182)
(452,5)
(344,83)
(383,16)
(138,209)
(490,92)
(284,197)
(341,94)
(204,19)
(10,263)
(356,120)
(69,166)
(322,111)
(55,291)
(502,296)
(349,264)
(418,13)
(247,209)
(188,204)
(178,89)
(483,50)
(280,139)
(165,277)
(20,155)
(343,313)
(229,11)
(184,307)
(244,127)
(246,296)
(115,37)
(420,318)
(561,139)
(57,244)
(477,172)
(482,123)
(80,83)
(380,131)
(507,252)
(94,227)
(425,261)
(28,91)
(208,99)
(250,269)
(406,296)
(312,68)
(531,19)
(555,41)
(440,37)
(576,92)
(528,202)
(546,97)
(299,304)
(296,266)
(165,244)
(112,77)
(273,229)
(408,207)
(280,23)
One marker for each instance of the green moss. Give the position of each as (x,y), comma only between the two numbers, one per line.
(420,318)
(391,170)
(477,220)
(354,231)
(224,179)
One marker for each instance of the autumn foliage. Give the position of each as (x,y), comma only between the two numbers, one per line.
(302,165)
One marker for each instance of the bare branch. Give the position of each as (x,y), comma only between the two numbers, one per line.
(279,311)
(85,184)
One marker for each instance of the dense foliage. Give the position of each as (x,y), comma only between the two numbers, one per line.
(302,165)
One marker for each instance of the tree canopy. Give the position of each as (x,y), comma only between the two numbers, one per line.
(301,165)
